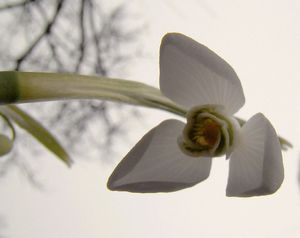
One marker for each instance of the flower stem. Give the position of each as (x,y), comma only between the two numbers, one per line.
(22,87)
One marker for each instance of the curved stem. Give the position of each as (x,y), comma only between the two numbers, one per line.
(22,87)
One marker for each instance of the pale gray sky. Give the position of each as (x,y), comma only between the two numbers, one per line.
(261,40)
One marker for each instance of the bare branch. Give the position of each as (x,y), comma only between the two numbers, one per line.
(46,31)
(82,36)
(16,5)
(96,37)
(75,36)
(55,56)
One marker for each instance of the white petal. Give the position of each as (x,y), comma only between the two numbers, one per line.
(192,75)
(156,163)
(255,166)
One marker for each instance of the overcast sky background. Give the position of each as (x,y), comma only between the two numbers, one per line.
(261,40)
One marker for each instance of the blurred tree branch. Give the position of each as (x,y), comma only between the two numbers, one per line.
(15,5)
(80,36)
(46,32)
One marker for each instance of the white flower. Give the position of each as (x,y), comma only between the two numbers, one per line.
(174,155)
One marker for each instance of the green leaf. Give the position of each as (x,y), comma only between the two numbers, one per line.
(6,145)
(38,131)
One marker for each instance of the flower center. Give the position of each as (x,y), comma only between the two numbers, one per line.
(207,133)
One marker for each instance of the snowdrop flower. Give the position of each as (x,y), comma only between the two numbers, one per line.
(175,155)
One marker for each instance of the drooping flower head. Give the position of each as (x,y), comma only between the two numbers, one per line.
(176,155)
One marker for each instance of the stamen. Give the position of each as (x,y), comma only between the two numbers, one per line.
(206,132)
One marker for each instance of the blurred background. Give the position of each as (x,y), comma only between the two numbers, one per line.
(40,197)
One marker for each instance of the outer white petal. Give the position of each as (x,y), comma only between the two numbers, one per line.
(192,75)
(255,166)
(156,164)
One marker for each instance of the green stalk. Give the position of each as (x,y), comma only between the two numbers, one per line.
(22,87)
